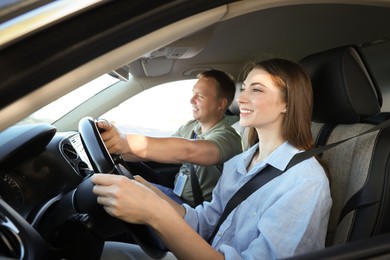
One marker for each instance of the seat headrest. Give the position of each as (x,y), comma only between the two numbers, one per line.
(233,108)
(343,87)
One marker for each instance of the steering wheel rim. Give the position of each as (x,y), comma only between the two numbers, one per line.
(18,239)
(102,161)
(94,146)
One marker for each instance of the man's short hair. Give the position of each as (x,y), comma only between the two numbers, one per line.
(226,85)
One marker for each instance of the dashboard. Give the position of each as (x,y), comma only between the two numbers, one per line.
(37,163)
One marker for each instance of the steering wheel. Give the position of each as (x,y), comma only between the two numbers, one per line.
(18,239)
(86,201)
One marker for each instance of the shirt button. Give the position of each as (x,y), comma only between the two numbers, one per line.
(253,214)
(219,234)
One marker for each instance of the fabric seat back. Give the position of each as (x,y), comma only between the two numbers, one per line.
(345,97)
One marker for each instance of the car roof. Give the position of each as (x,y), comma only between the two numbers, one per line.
(291,31)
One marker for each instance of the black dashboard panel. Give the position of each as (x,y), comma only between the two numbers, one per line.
(22,141)
(37,163)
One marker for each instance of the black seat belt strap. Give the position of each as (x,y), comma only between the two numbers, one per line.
(267,174)
(195,185)
(196,190)
(257,181)
(313,152)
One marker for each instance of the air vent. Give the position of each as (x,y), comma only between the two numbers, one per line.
(10,243)
(69,152)
(83,169)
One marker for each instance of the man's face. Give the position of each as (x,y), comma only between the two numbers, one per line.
(206,104)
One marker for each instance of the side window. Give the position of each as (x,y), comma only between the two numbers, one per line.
(157,112)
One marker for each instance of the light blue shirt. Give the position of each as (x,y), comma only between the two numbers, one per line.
(287,216)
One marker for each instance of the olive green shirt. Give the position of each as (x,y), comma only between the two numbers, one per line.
(229,144)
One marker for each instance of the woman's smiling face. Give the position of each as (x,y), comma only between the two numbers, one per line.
(260,101)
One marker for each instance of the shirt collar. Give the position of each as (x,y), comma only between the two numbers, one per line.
(278,158)
(282,156)
(198,127)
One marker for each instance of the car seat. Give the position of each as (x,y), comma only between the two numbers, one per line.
(346,97)
(234,110)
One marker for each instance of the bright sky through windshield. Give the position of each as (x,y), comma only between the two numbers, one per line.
(63,105)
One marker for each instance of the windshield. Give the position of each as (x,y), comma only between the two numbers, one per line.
(58,108)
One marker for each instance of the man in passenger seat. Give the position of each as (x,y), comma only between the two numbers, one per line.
(201,145)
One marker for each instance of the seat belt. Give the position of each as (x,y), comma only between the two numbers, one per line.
(268,173)
(196,190)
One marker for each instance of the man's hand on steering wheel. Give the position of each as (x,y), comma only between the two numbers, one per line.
(113,139)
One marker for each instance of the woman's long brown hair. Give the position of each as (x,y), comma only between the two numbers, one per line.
(296,88)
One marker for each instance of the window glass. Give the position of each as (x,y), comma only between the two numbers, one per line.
(58,108)
(158,111)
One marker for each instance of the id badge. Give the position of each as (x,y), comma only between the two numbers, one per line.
(179,185)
